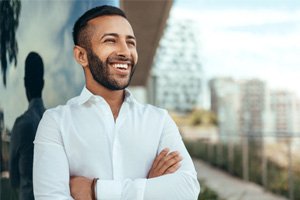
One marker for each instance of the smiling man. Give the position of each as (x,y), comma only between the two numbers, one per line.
(103,144)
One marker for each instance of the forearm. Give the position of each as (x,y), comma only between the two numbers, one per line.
(120,189)
(177,186)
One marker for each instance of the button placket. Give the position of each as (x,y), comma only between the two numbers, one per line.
(104,112)
(117,160)
(117,148)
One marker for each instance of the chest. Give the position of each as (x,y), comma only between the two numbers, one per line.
(96,145)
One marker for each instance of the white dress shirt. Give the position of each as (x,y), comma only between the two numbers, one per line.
(82,138)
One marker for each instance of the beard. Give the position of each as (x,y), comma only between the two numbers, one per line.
(100,71)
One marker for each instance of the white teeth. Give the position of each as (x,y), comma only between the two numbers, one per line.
(120,66)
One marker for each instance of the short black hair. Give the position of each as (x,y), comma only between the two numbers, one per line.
(34,74)
(80,33)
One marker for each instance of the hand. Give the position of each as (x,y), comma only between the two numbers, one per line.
(81,188)
(165,163)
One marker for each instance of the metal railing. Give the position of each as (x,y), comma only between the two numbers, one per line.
(269,159)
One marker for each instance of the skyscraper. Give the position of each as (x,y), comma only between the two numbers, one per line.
(242,107)
(176,77)
(225,103)
(255,118)
(286,109)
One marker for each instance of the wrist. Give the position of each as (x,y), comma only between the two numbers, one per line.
(93,188)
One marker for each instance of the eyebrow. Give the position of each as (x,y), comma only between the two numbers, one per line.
(117,35)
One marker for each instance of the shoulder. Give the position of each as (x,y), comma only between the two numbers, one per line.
(155,109)
(22,130)
(57,112)
(23,122)
(150,110)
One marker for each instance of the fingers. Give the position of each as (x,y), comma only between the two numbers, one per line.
(165,163)
(169,161)
(161,155)
(173,169)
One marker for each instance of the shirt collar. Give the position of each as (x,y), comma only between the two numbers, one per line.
(128,96)
(84,96)
(87,95)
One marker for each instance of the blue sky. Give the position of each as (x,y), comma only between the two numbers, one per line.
(240,4)
(248,39)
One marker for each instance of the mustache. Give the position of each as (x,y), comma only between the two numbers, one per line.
(120,58)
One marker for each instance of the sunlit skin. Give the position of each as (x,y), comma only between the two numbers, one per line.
(113,38)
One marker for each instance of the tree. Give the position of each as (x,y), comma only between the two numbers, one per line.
(9,21)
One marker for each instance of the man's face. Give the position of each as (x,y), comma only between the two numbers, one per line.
(112,54)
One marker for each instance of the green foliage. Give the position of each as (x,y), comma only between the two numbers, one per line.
(279,178)
(206,193)
(255,161)
(237,161)
(202,117)
(217,155)
(296,178)
(9,21)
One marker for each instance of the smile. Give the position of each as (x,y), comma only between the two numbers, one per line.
(120,66)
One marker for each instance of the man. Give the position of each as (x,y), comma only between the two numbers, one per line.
(103,144)
(24,129)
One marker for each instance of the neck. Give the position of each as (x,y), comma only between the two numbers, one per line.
(30,97)
(114,98)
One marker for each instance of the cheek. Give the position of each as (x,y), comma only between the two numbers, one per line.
(104,57)
(135,57)
(103,53)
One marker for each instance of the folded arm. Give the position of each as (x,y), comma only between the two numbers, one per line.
(180,185)
(161,183)
(172,176)
(51,171)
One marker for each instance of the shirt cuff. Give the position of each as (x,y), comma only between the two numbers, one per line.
(108,190)
(113,189)
(140,185)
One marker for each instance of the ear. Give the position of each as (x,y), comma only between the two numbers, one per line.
(80,56)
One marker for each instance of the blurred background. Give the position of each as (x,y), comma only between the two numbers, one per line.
(226,70)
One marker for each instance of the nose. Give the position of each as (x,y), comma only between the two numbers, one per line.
(123,49)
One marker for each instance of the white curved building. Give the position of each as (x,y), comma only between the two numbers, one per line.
(176,77)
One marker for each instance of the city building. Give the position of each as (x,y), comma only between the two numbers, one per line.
(248,108)
(242,107)
(225,103)
(176,76)
(286,110)
(255,115)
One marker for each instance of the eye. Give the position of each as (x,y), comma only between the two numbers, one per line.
(109,40)
(131,43)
